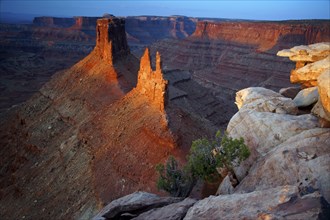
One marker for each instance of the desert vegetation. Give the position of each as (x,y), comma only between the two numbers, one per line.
(205,159)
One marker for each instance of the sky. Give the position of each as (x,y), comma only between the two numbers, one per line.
(239,9)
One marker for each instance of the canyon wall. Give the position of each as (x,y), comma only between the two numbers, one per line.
(264,35)
(227,56)
(148,29)
(53,21)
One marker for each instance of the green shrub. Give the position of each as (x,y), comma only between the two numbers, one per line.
(203,160)
(178,182)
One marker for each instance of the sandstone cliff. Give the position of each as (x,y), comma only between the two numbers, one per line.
(264,35)
(148,29)
(53,22)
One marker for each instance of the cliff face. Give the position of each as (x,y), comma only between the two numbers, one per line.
(264,35)
(148,29)
(53,22)
(82,22)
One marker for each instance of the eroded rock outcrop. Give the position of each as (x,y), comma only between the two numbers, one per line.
(134,204)
(312,70)
(265,35)
(284,202)
(310,60)
(151,83)
(290,149)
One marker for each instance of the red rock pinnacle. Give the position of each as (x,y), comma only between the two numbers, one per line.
(151,83)
(103,46)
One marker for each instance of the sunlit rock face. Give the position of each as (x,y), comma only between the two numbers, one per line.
(151,83)
(312,70)
(311,61)
(264,35)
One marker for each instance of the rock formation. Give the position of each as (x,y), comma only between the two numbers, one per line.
(152,84)
(264,35)
(312,70)
(310,60)
(148,29)
(143,205)
(53,22)
(274,203)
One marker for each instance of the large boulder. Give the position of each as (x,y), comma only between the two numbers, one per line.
(263,131)
(284,202)
(264,100)
(133,205)
(310,60)
(175,211)
(303,160)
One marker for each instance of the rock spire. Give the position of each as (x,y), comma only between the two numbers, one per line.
(151,83)
(110,39)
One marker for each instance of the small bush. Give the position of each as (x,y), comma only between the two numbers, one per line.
(203,160)
(178,182)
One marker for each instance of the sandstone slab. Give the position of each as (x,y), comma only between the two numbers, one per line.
(175,211)
(133,205)
(264,100)
(284,202)
(262,131)
(303,160)
(307,53)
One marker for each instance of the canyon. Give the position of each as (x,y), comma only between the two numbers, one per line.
(96,130)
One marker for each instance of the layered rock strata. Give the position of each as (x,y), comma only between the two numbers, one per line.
(227,56)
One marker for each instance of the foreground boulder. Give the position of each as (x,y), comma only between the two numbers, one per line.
(134,204)
(175,211)
(263,124)
(264,100)
(303,160)
(284,202)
